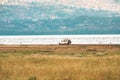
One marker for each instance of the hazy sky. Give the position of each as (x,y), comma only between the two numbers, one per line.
(111,5)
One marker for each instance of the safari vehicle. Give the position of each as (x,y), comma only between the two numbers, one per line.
(65,42)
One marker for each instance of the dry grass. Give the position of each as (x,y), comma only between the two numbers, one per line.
(58,67)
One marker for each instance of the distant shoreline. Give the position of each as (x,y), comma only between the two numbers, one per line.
(55,39)
(68,35)
(97,35)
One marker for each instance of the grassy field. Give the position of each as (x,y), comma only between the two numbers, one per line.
(54,62)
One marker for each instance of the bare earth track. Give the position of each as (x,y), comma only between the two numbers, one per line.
(62,49)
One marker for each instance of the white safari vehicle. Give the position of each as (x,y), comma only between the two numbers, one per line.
(65,42)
